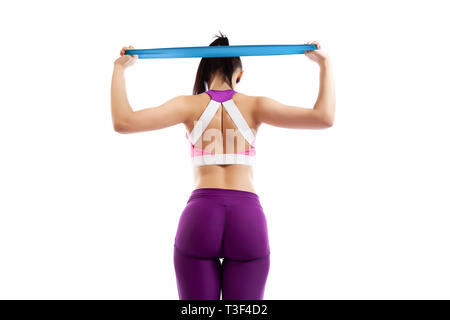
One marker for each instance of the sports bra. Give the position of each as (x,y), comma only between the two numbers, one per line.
(201,157)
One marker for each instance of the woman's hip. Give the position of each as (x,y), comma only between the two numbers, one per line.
(223,223)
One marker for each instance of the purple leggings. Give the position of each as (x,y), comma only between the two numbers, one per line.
(222,223)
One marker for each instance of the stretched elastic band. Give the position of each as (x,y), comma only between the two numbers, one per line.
(221,51)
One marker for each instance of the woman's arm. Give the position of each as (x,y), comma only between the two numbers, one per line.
(125,120)
(120,107)
(321,116)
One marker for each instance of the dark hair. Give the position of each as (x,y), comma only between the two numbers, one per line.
(209,67)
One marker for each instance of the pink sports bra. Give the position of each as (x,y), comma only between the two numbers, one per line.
(201,157)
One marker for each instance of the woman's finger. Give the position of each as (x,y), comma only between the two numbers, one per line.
(126,49)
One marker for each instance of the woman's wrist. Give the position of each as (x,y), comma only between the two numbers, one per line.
(324,62)
(118,67)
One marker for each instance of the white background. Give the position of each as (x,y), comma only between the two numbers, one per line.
(356,211)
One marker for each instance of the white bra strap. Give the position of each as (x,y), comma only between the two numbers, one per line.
(239,120)
(202,123)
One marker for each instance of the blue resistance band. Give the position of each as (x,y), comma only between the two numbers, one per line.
(221,51)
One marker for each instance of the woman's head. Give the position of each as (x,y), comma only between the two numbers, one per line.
(226,70)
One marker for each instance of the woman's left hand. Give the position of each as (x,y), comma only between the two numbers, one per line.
(126,60)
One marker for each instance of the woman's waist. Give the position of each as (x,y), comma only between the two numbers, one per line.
(222,193)
(239,180)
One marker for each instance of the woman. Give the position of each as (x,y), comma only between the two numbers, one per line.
(223,218)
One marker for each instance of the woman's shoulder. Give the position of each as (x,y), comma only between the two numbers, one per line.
(245,101)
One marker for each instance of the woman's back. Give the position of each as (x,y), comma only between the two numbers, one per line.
(222,136)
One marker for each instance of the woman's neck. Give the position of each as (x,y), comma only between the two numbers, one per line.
(216,85)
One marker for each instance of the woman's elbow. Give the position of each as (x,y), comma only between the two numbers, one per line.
(328,122)
(323,119)
(120,127)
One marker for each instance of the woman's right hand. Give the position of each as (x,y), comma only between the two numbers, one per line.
(317,55)
(126,60)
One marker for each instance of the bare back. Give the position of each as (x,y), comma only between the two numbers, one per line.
(230,176)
